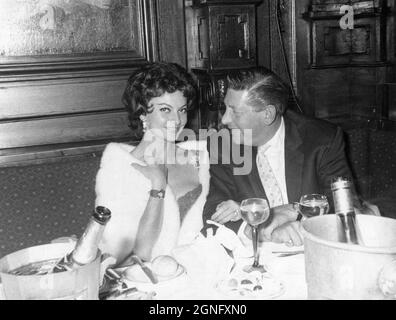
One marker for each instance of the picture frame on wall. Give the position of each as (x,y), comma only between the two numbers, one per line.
(70,35)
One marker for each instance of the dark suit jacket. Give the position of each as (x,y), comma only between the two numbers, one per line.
(314,154)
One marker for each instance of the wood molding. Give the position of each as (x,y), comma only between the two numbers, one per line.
(54,153)
(48,98)
(223,2)
(63,129)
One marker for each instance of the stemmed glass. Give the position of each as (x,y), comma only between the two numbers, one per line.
(255,212)
(311,205)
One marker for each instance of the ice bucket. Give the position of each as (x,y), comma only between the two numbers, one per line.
(336,270)
(78,284)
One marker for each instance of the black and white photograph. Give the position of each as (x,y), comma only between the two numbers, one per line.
(197,155)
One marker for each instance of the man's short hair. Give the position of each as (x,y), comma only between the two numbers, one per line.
(263,88)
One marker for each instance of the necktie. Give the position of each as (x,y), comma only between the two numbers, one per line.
(268,179)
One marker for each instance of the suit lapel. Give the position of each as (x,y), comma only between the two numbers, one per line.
(254,177)
(250,183)
(294,160)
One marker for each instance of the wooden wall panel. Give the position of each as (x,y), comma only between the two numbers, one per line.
(334,78)
(171,31)
(364,96)
(233,37)
(79,128)
(390,103)
(263,34)
(344,92)
(329,83)
(48,98)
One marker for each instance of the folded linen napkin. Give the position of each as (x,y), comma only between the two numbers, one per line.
(205,259)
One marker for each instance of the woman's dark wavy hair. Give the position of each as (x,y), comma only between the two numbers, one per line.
(153,80)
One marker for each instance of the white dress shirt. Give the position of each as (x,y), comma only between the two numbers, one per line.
(275,153)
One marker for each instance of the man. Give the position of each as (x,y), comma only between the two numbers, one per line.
(291,155)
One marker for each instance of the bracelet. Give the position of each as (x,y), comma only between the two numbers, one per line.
(160,194)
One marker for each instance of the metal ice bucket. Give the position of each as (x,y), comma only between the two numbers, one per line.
(78,284)
(336,270)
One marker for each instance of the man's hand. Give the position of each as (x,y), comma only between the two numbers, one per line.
(279,216)
(226,211)
(288,233)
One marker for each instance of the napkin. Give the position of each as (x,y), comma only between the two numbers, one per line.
(242,248)
(230,240)
(205,259)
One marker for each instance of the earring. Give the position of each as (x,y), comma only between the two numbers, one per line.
(144,123)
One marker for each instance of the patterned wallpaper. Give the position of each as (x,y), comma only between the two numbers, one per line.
(357,149)
(42,202)
(383,162)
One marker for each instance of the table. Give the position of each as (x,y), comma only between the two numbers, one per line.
(289,270)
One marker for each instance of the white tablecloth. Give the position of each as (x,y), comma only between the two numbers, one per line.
(189,286)
(289,270)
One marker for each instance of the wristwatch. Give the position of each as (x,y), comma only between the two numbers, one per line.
(160,194)
(296,207)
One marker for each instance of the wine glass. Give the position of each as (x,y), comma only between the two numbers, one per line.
(255,211)
(312,205)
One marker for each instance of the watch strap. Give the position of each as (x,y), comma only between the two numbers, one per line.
(160,194)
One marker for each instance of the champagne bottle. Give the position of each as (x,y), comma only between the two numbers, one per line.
(344,209)
(86,248)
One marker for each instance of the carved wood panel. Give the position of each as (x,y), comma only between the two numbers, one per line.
(223,36)
(332,44)
(203,38)
(233,36)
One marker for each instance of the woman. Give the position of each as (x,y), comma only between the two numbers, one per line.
(156,190)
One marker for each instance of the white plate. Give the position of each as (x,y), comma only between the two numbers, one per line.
(138,275)
(138,295)
(255,285)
